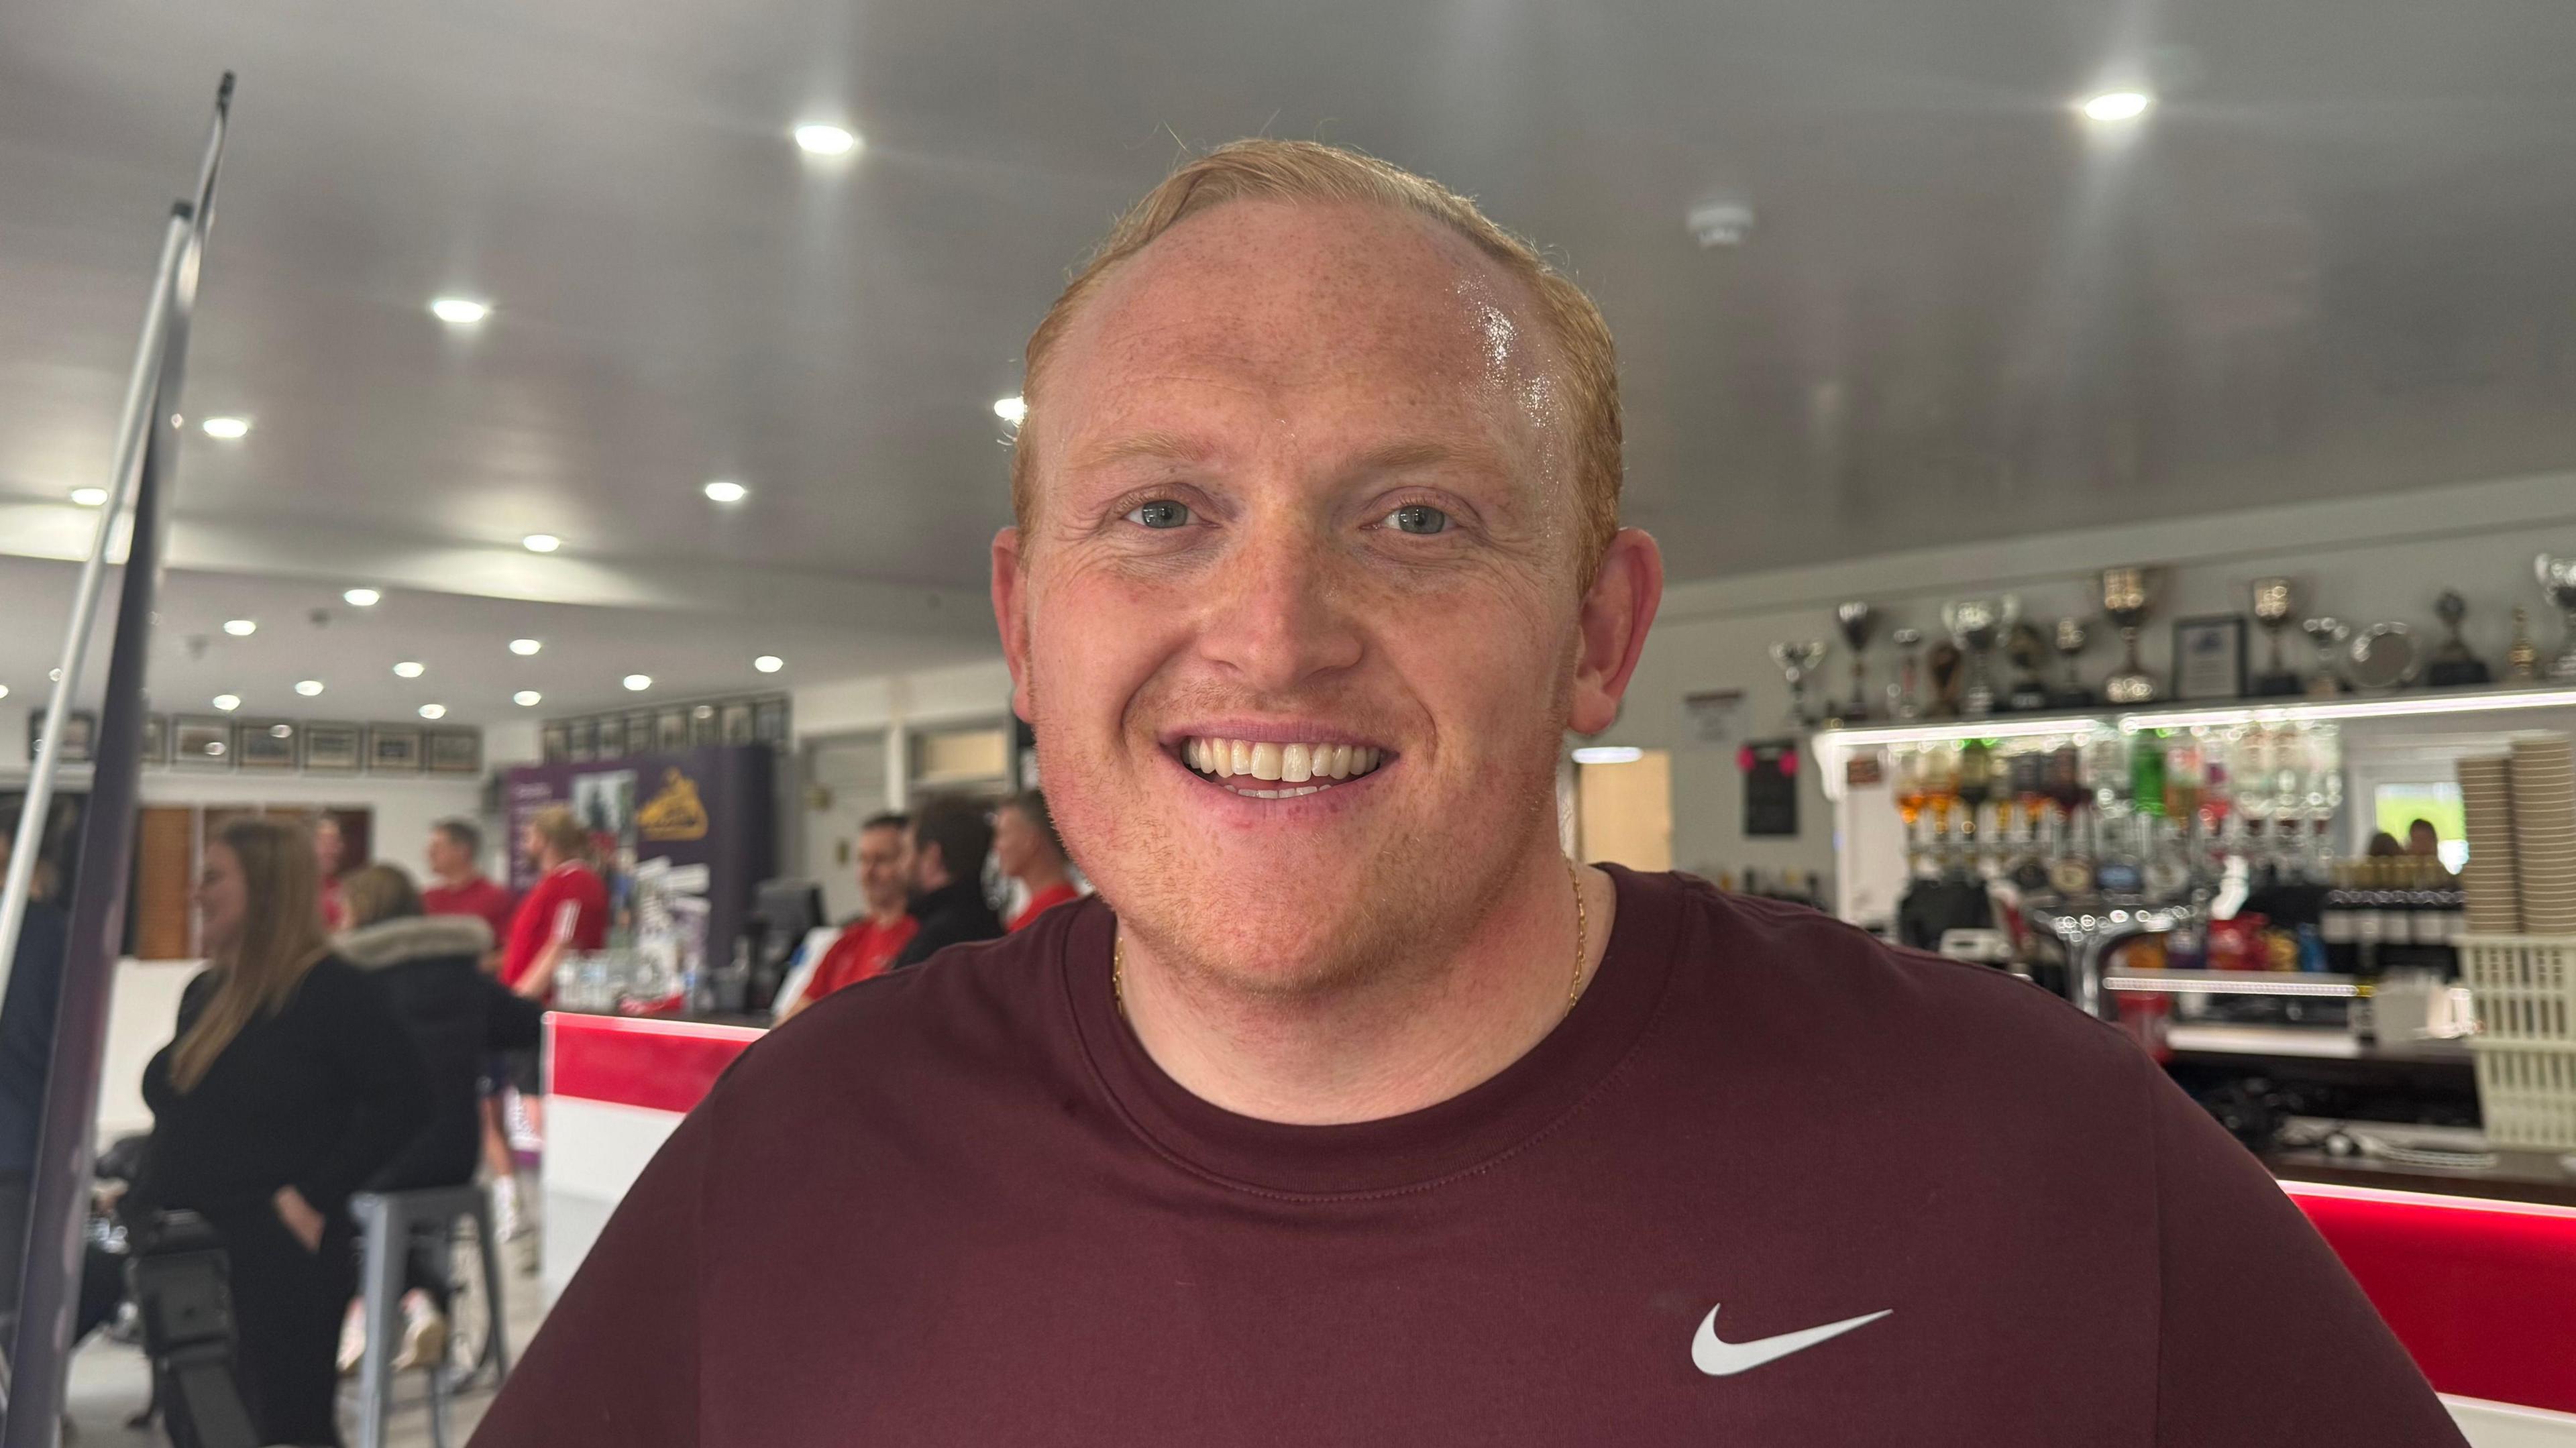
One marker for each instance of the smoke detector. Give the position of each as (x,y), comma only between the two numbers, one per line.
(1720,223)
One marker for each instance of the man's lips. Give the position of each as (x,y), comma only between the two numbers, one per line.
(1275,768)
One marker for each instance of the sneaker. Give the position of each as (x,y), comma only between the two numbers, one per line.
(505,1210)
(424,1334)
(353,1337)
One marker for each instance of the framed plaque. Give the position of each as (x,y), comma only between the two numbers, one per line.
(703,728)
(156,738)
(671,731)
(455,751)
(393,749)
(585,740)
(555,743)
(202,741)
(769,722)
(2209,657)
(80,732)
(611,743)
(639,732)
(264,744)
(737,723)
(334,748)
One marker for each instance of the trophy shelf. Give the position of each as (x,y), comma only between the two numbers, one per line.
(1831,747)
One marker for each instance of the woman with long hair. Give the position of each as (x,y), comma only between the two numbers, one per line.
(290,1084)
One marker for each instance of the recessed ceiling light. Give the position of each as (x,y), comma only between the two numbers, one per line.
(1013,410)
(90,497)
(408,670)
(433,711)
(639,682)
(459,311)
(228,702)
(363,597)
(308,687)
(726,492)
(524,647)
(226,427)
(541,542)
(2121,105)
(819,139)
(527,698)
(240,628)
(769,663)
(4,691)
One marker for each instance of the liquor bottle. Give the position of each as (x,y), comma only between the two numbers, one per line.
(2147,774)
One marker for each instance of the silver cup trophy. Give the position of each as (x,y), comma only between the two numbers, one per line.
(1975,624)
(2069,639)
(2276,605)
(2558,584)
(1856,620)
(2124,602)
(2327,635)
(1904,700)
(1798,661)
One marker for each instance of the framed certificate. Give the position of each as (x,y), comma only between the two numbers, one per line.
(2209,657)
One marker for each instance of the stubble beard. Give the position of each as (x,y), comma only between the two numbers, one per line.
(1427,886)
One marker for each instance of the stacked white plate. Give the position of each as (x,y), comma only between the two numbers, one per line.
(2486,794)
(2544,832)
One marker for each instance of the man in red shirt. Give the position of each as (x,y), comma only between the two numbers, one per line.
(1351,1110)
(1026,849)
(868,944)
(454,856)
(565,911)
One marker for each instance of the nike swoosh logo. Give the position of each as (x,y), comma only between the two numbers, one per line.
(1726,1359)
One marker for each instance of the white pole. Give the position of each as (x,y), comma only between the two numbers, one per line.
(93,581)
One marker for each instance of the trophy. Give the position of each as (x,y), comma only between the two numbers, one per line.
(2274,605)
(1856,620)
(1798,661)
(2029,654)
(1902,701)
(1941,668)
(1974,625)
(2327,635)
(2522,657)
(2124,602)
(2069,640)
(2382,657)
(2558,582)
(2452,665)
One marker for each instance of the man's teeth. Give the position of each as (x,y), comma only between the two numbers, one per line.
(1286,763)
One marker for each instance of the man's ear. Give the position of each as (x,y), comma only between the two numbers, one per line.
(1617,611)
(1010,613)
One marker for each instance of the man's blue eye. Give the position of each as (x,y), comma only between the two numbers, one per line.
(1419,518)
(1161,514)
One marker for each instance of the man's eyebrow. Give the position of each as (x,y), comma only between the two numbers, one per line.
(1143,446)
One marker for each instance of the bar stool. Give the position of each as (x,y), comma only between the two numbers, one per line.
(389,1223)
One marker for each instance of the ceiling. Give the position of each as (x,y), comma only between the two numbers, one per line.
(2332,261)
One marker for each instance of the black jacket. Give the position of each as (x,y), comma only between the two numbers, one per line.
(27,1032)
(319,1095)
(431,969)
(950,915)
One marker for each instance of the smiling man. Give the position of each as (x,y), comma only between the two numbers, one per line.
(1351,1110)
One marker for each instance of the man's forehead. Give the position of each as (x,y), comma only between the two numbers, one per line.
(1304,294)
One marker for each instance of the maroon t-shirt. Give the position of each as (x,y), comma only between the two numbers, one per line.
(961,1206)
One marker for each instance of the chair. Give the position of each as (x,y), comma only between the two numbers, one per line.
(389,1223)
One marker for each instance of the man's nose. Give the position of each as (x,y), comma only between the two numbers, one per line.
(1282,613)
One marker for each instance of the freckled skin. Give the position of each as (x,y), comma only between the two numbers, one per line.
(1291,376)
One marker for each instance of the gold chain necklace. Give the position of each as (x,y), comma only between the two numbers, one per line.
(1573,988)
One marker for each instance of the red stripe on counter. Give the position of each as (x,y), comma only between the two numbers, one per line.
(2479,1291)
(658,1065)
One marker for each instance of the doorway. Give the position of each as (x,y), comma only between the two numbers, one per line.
(1623,803)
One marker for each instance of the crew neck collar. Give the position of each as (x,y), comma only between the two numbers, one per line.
(1417,1150)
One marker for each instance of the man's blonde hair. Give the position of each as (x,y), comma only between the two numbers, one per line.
(1307,171)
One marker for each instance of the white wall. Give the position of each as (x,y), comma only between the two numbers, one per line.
(2364,560)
